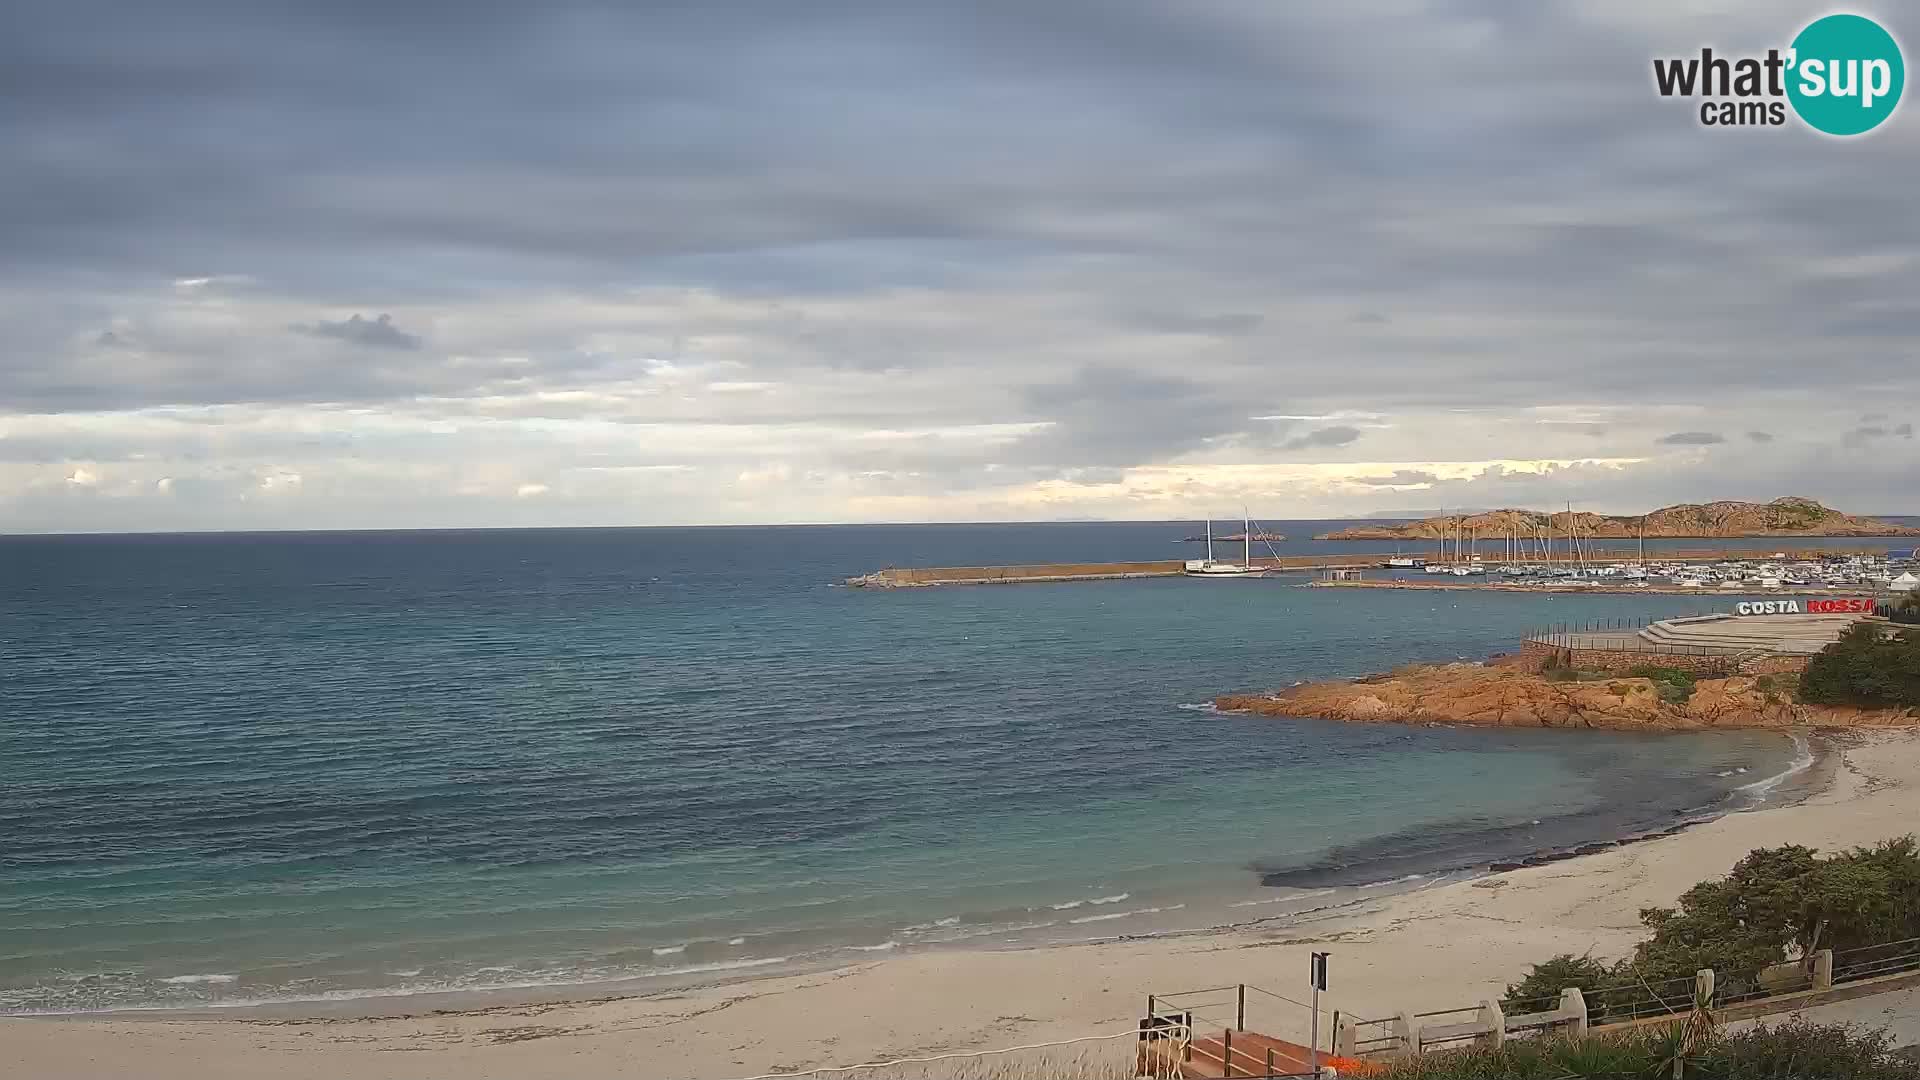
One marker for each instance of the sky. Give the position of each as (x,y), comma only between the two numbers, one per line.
(277,265)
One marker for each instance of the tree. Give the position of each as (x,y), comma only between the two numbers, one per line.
(1735,925)
(1774,905)
(1865,667)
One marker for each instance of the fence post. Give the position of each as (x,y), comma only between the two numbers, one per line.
(1407,1034)
(1823,970)
(1492,1015)
(1240,1011)
(1226,1052)
(1573,1006)
(1346,1037)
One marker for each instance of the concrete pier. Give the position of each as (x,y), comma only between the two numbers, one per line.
(910,577)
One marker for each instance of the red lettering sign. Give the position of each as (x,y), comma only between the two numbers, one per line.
(1853,605)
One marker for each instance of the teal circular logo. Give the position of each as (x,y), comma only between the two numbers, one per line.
(1846,74)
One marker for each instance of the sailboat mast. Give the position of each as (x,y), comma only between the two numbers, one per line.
(1246,541)
(1209,539)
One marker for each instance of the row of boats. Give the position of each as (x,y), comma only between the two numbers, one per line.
(1864,570)
(1858,571)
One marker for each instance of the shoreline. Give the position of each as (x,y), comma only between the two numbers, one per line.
(1816,753)
(1445,944)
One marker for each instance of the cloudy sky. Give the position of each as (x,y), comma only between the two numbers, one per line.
(268,264)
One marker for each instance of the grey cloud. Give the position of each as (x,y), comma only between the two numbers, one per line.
(922,217)
(1760,436)
(1226,324)
(1576,427)
(1337,435)
(377,333)
(1867,433)
(1113,416)
(1692,438)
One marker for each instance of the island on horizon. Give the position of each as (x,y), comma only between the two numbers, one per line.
(1786,516)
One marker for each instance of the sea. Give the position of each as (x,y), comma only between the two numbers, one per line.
(247,769)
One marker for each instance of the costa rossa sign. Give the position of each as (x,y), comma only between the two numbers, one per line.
(1848,605)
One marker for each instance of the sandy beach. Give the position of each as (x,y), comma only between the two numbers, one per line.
(1446,946)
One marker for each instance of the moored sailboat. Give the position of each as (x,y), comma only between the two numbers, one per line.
(1209,567)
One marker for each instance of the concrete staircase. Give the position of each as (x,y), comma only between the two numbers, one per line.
(1794,635)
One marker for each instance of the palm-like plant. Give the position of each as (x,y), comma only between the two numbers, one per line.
(1692,1036)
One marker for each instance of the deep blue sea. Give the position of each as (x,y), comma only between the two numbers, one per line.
(249,768)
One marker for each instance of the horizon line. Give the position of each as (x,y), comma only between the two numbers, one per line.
(54,535)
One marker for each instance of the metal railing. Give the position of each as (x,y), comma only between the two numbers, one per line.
(1642,1000)
(1238,1050)
(1870,961)
(1372,1038)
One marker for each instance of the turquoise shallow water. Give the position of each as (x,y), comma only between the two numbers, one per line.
(294,767)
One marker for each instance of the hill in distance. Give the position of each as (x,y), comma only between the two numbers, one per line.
(1789,516)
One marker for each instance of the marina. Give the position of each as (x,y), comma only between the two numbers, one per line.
(1799,572)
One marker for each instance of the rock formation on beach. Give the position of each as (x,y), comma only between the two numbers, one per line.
(1789,516)
(1484,696)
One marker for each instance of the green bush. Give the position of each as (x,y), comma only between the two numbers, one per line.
(1865,667)
(1674,693)
(1660,674)
(1795,1049)
(1673,685)
(1776,904)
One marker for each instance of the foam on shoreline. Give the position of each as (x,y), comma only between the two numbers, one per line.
(1298,904)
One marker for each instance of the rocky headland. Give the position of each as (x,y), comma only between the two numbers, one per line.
(1789,516)
(1492,696)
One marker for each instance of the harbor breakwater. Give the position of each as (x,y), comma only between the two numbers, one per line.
(913,577)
